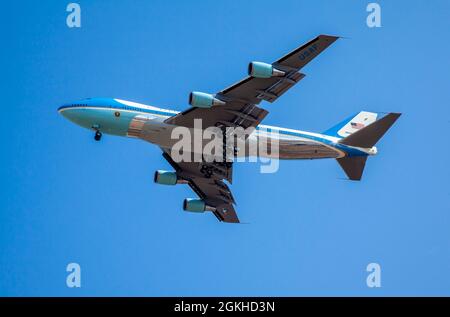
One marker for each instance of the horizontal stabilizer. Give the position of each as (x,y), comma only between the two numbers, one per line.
(369,135)
(353,166)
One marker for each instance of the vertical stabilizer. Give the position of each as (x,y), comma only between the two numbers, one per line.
(352,124)
(353,166)
(366,137)
(371,134)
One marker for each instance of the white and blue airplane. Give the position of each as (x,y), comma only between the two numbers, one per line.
(349,142)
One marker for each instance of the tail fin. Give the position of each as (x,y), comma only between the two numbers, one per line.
(369,135)
(353,166)
(366,137)
(352,124)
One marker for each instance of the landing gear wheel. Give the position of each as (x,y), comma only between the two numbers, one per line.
(98,135)
(206,171)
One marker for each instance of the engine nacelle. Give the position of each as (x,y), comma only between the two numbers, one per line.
(263,70)
(196,205)
(203,100)
(166,177)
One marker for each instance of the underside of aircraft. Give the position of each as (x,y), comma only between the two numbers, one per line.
(350,142)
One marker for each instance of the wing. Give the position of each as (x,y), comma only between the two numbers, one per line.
(270,89)
(210,187)
(241,99)
(237,106)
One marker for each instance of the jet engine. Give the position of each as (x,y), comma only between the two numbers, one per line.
(263,70)
(166,177)
(196,205)
(203,100)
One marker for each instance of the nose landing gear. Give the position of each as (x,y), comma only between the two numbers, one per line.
(98,135)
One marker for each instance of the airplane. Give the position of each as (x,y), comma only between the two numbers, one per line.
(349,142)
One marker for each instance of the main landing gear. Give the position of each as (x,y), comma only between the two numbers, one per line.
(98,135)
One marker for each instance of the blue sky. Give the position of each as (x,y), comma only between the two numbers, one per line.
(66,198)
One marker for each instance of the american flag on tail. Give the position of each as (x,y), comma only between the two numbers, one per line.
(356,125)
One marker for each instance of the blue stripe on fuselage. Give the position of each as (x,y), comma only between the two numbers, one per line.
(349,150)
(113,104)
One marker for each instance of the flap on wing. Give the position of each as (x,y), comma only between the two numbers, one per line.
(254,90)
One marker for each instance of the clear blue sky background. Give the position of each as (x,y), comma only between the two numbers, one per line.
(66,198)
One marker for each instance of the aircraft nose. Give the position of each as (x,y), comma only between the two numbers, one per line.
(65,111)
(70,110)
(62,110)
(74,112)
